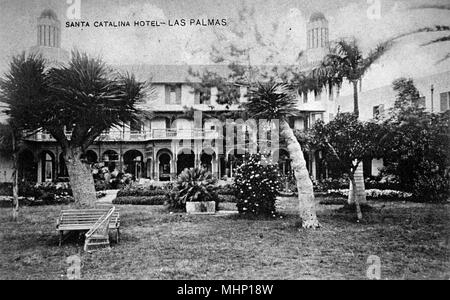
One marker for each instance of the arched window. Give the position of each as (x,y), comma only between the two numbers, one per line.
(47,166)
(111,159)
(62,167)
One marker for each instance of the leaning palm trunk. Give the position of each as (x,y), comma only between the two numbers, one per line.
(81,180)
(357,189)
(304,183)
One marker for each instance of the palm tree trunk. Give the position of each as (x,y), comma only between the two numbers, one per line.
(304,183)
(357,204)
(81,180)
(15,175)
(358,188)
(355,98)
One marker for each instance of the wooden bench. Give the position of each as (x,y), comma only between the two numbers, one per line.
(84,220)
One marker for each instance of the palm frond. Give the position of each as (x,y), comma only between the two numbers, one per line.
(271,101)
(432,6)
(439,40)
(375,55)
(444,58)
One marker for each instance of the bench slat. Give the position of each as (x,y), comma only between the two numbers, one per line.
(69,228)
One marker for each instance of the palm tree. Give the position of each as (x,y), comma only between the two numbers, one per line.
(346,61)
(274,101)
(85,94)
(437,28)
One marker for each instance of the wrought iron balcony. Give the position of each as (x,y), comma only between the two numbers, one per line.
(135,136)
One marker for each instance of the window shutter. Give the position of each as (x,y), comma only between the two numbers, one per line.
(422,102)
(444,102)
(197,97)
(178,94)
(167,94)
(207,96)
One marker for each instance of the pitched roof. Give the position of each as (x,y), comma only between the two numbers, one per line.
(192,73)
(172,73)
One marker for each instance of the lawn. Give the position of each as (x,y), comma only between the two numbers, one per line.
(410,239)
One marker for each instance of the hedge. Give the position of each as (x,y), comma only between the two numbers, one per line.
(141,200)
(131,191)
(159,200)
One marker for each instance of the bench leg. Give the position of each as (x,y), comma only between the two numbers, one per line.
(118,235)
(60,237)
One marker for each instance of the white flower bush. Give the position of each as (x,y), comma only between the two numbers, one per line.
(377,194)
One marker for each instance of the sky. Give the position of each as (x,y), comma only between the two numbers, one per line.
(282,23)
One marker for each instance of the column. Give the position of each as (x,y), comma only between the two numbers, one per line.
(313,165)
(39,170)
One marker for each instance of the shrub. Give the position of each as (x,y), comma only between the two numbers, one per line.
(430,185)
(331,184)
(226,198)
(107,179)
(45,190)
(154,200)
(228,189)
(374,194)
(6,189)
(141,191)
(193,184)
(101,185)
(257,184)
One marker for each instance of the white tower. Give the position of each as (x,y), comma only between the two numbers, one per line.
(317,38)
(49,38)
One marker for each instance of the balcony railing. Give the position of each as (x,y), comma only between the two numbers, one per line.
(155,134)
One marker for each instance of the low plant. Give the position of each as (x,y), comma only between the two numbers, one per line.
(194,184)
(228,189)
(154,200)
(375,194)
(141,191)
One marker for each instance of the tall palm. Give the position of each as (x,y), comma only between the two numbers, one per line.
(437,28)
(346,61)
(273,101)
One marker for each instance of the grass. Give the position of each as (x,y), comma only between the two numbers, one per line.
(410,239)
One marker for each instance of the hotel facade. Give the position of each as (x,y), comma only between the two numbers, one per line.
(160,147)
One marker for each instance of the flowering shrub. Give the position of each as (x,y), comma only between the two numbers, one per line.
(257,185)
(104,179)
(375,194)
(45,190)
